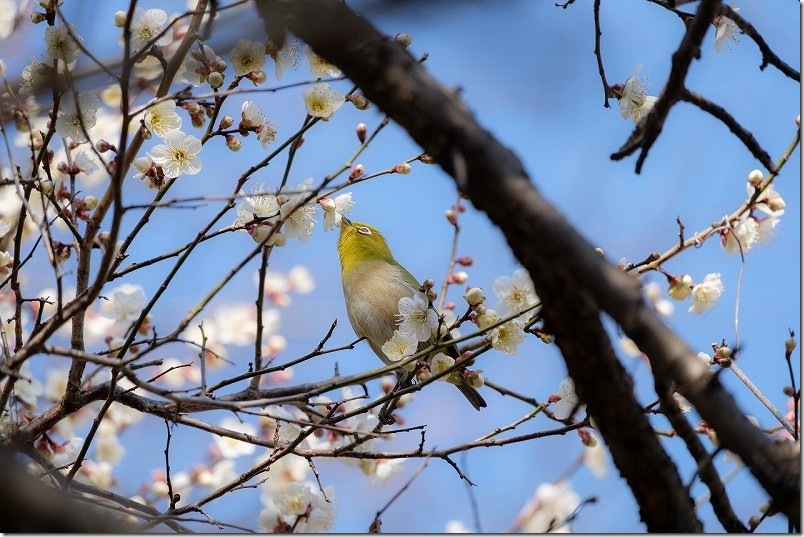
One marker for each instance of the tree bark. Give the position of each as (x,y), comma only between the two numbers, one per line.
(574,282)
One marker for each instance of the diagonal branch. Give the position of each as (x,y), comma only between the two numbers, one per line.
(564,266)
(649,128)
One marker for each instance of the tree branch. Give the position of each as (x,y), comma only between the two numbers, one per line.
(564,266)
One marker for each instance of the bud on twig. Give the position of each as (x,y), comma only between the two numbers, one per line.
(361,132)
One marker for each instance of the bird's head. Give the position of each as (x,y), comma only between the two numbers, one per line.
(360,243)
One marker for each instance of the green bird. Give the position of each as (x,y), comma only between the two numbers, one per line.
(373,283)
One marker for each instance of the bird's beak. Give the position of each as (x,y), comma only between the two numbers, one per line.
(346,221)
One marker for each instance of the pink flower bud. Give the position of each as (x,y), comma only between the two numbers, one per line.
(356,171)
(465,261)
(328,204)
(361,132)
(452,216)
(233,143)
(459,277)
(426,159)
(402,168)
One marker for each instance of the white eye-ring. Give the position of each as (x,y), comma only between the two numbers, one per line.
(364,230)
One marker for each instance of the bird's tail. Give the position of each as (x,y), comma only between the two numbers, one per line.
(470,393)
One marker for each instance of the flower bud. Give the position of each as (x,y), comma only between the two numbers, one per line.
(120,19)
(790,345)
(452,216)
(755,177)
(680,287)
(723,356)
(465,261)
(474,378)
(474,296)
(37,17)
(103,146)
(459,277)
(403,39)
(402,169)
(226,122)
(426,159)
(215,79)
(90,203)
(197,120)
(431,295)
(587,438)
(359,100)
(361,130)
(789,391)
(356,171)
(328,204)
(233,143)
(257,77)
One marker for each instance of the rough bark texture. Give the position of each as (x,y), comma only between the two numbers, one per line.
(575,283)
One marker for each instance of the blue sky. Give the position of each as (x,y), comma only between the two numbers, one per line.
(527,71)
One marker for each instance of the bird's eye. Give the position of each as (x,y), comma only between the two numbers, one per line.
(364,230)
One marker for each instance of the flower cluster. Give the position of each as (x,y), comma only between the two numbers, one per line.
(756,226)
(273,217)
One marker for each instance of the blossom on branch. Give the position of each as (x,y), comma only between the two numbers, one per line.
(635,102)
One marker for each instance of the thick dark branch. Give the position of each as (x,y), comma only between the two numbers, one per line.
(706,468)
(651,126)
(552,250)
(739,131)
(768,56)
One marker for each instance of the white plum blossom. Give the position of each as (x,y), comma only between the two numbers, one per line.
(298,212)
(322,101)
(60,45)
(514,294)
(725,30)
(264,206)
(399,346)
(8,17)
(72,122)
(381,470)
(125,304)
(198,64)
(563,408)
(706,293)
(548,510)
(456,526)
(285,58)
(162,118)
(221,473)
(319,67)
(301,280)
(594,458)
(247,56)
(35,77)
(335,209)
(441,362)
(281,511)
(741,236)
(66,454)
(231,448)
(145,26)
(294,499)
(635,103)
(252,117)
(27,388)
(416,317)
(178,155)
(508,336)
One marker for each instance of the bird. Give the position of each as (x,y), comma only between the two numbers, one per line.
(373,283)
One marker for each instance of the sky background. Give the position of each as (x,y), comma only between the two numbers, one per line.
(528,72)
